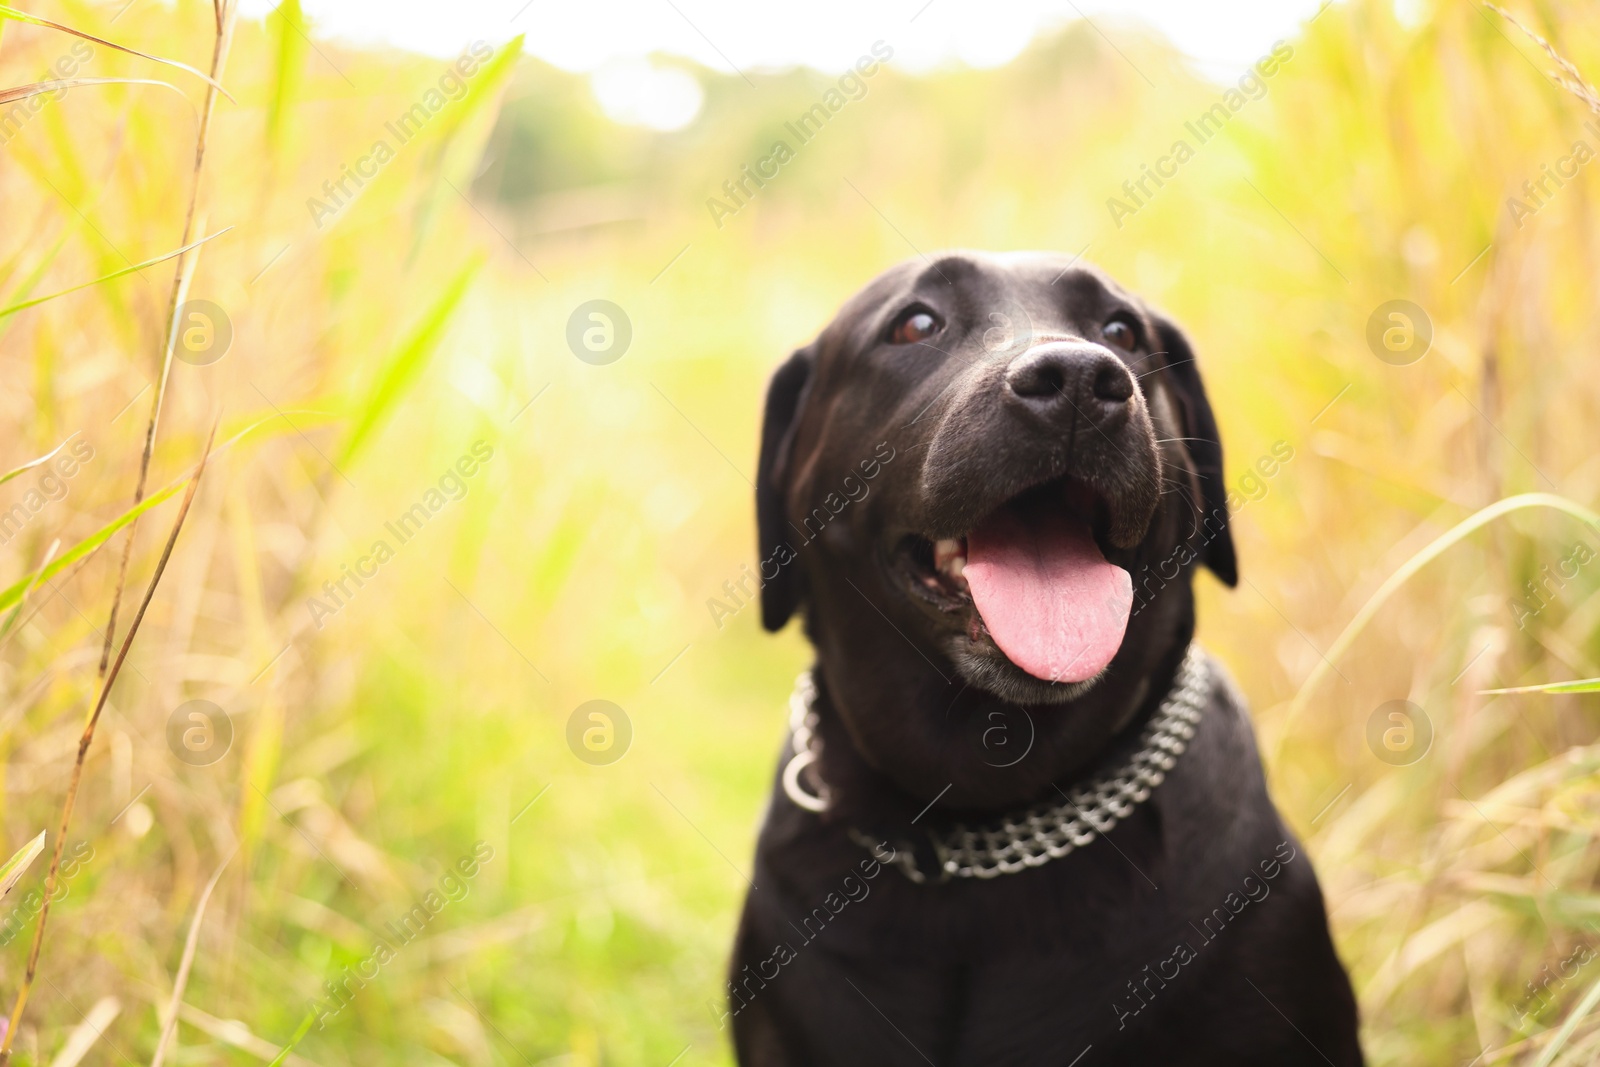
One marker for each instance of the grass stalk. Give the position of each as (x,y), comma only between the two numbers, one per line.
(84,742)
(180,286)
(189,945)
(1570,77)
(1406,571)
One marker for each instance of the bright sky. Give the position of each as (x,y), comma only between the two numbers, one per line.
(609,40)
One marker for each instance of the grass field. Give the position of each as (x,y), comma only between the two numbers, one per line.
(399,317)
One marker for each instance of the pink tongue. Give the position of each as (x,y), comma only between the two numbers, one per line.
(1049,598)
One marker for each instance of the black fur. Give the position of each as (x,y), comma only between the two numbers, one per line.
(780,596)
(840,958)
(1205,450)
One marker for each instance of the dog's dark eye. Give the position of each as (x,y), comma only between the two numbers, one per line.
(1120,333)
(913,325)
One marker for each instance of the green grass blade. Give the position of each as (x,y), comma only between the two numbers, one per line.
(1433,550)
(1579,1013)
(289,70)
(16,612)
(13,593)
(18,864)
(14,308)
(1581,685)
(482,88)
(14,15)
(35,276)
(74,223)
(401,370)
(457,153)
(305,1028)
(32,463)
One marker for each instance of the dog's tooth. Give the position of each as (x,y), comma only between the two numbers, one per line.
(950,560)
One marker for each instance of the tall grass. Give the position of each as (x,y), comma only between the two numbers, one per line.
(373,746)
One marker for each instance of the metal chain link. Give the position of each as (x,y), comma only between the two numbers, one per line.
(1046,831)
(807,746)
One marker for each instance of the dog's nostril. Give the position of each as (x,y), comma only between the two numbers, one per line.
(1040,378)
(1113,383)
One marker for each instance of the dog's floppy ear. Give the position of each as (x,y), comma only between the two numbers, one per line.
(1205,448)
(780,594)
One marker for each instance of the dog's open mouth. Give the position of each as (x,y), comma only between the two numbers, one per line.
(1034,577)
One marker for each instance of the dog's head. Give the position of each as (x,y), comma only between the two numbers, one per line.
(985,484)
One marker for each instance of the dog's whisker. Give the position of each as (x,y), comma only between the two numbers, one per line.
(1147,355)
(1143,358)
(1157,370)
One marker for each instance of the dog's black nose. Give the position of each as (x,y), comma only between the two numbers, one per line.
(1064,379)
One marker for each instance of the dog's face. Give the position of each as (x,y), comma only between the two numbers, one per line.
(985,484)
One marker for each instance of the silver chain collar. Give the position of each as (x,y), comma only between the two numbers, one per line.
(1045,831)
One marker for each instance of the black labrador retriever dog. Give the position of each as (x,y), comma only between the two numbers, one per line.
(1020,818)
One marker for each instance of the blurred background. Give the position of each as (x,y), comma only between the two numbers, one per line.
(396,327)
